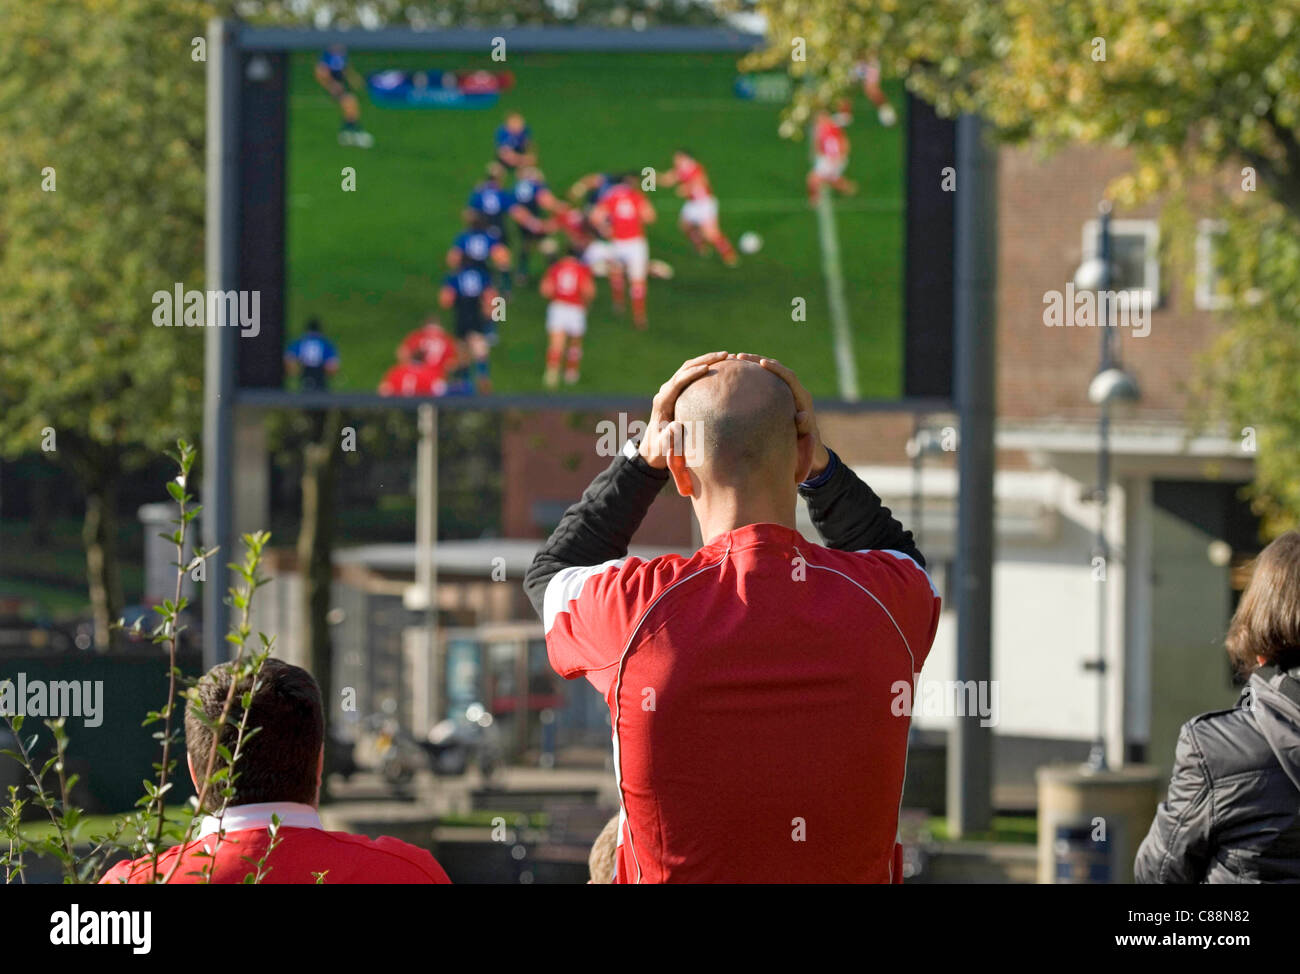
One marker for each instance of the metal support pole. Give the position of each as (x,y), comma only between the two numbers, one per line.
(1097,756)
(220,272)
(970,750)
(426,569)
(918,456)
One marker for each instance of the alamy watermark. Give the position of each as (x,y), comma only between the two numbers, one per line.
(946,698)
(75,927)
(1081,309)
(214,309)
(83,699)
(611,436)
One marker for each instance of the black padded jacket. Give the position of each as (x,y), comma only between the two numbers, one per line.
(1232,814)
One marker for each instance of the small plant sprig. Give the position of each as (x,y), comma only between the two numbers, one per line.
(260,868)
(244,668)
(12,857)
(168,633)
(63,815)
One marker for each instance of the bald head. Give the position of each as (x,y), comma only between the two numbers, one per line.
(740,421)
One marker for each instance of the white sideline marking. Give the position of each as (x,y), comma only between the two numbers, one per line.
(846,368)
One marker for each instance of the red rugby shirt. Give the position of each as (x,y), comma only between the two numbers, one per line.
(299,854)
(752,687)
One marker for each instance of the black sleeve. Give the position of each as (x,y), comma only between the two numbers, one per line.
(850,517)
(600,526)
(1178,847)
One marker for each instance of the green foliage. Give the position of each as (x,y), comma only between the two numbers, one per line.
(101,206)
(108,98)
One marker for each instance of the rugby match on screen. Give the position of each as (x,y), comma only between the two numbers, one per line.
(579,222)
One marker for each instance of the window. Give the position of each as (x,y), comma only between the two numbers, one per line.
(1211,289)
(1134,246)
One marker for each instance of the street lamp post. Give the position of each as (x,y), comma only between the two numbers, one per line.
(922,443)
(1111,384)
(1097,756)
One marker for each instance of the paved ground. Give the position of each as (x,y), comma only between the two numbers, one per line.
(367,796)
(441,796)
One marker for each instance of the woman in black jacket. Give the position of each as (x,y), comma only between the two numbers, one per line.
(1233,810)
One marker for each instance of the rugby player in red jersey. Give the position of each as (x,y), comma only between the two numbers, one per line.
(416,377)
(431,339)
(699,216)
(580,238)
(433,345)
(569,287)
(868,69)
(621,215)
(830,156)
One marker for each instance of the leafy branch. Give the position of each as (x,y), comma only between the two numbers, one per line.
(242,668)
(63,815)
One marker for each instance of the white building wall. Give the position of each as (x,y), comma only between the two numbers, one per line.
(1045,598)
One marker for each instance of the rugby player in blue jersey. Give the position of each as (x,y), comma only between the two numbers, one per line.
(312,357)
(469,295)
(340,79)
(514,143)
(588,190)
(492,201)
(479,245)
(533,202)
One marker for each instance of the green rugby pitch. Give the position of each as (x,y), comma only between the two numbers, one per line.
(369,262)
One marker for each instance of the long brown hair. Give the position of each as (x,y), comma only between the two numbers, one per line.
(1267,621)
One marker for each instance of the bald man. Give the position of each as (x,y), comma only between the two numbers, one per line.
(759,690)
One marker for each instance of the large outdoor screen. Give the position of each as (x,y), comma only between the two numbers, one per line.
(578,223)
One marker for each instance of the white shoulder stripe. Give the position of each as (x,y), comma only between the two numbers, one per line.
(566,585)
(908,558)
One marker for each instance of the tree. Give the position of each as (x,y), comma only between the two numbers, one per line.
(320,460)
(1196,90)
(102,113)
(102,189)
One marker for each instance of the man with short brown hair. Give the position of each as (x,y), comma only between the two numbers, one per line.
(278,780)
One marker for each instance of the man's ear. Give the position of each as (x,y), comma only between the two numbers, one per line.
(803,458)
(681,475)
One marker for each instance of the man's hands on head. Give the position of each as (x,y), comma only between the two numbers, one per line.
(805,421)
(663,432)
(658,441)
